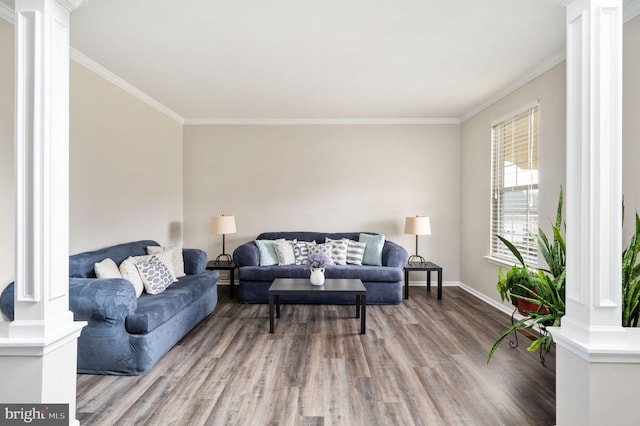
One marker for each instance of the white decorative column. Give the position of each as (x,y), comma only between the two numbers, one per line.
(38,350)
(597,359)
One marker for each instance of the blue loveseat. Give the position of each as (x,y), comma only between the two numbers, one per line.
(383,283)
(126,335)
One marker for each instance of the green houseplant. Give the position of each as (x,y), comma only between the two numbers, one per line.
(545,288)
(631,279)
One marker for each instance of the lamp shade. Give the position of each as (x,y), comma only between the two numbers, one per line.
(417,225)
(223,224)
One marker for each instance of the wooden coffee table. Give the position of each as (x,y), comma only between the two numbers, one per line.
(285,286)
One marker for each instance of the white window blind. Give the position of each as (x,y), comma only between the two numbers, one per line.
(514,190)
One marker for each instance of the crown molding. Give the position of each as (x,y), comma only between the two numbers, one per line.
(630,9)
(72,5)
(315,121)
(534,73)
(7,13)
(124,85)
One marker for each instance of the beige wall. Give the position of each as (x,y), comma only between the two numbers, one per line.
(325,178)
(125,167)
(7,178)
(549,89)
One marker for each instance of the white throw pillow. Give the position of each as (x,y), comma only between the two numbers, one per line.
(155,274)
(177,260)
(130,273)
(284,252)
(324,249)
(107,269)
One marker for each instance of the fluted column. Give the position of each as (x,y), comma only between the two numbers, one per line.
(597,359)
(38,350)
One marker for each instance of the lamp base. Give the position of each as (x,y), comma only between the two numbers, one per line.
(224,258)
(414,258)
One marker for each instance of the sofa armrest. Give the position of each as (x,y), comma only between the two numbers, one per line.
(195,261)
(394,255)
(106,300)
(246,254)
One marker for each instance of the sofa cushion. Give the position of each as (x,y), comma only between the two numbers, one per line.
(154,310)
(364,273)
(177,260)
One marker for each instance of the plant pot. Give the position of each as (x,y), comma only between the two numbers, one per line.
(525,308)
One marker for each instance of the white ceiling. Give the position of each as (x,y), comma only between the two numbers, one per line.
(339,59)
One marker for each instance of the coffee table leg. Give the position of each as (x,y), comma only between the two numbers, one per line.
(440,285)
(277,306)
(271,321)
(363,317)
(358,303)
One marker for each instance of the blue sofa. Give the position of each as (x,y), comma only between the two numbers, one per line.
(126,335)
(383,283)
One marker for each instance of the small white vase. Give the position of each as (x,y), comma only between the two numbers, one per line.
(317,276)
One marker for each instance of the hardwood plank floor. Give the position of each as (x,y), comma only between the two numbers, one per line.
(421,363)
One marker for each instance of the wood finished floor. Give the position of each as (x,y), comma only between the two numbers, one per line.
(421,362)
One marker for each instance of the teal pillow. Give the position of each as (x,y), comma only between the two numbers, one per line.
(268,256)
(373,249)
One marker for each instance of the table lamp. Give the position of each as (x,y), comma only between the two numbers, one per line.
(223,225)
(418,225)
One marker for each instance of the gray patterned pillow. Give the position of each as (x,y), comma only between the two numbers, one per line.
(300,251)
(155,275)
(338,250)
(320,249)
(355,252)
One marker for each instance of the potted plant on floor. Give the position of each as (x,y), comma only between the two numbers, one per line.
(544,288)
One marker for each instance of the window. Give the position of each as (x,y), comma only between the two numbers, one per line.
(514,189)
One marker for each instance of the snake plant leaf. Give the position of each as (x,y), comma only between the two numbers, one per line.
(513,249)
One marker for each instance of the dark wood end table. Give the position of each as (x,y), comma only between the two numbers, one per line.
(223,265)
(282,286)
(423,266)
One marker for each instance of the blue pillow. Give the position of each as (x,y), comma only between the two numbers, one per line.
(268,256)
(373,249)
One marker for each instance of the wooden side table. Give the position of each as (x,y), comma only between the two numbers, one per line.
(223,265)
(423,266)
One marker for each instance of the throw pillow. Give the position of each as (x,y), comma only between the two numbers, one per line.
(107,269)
(355,252)
(284,252)
(130,273)
(177,261)
(373,250)
(338,250)
(320,249)
(268,256)
(155,275)
(301,252)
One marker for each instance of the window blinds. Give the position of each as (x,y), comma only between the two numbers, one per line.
(514,192)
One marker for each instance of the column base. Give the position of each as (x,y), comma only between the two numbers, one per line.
(596,379)
(41,371)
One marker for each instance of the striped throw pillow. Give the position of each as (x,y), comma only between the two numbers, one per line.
(355,252)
